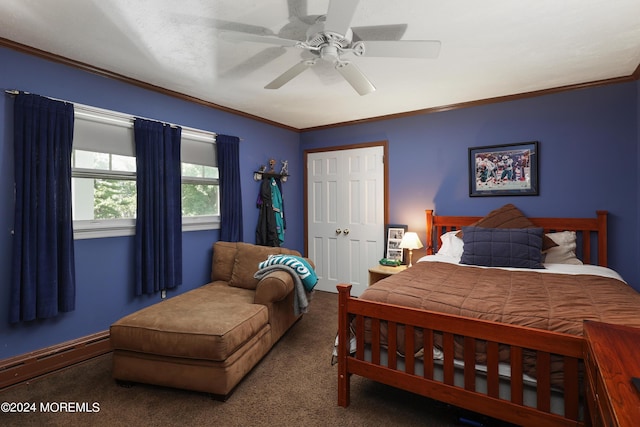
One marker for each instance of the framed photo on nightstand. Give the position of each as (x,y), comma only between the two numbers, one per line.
(392,238)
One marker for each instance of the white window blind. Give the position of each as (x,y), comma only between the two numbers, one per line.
(107,131)
(103,131)
(198,147)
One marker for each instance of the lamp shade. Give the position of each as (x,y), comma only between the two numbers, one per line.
(410,240)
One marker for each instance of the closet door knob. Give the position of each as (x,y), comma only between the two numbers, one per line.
(338,231)
(346,231)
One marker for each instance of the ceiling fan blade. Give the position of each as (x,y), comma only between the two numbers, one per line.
(255,62)
(235,36)
(218,24)
(298,9)
(288,75)
(379,32)
(356,79)
(402,48)
(340,15)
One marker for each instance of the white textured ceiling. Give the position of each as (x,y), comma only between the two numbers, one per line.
(490,48)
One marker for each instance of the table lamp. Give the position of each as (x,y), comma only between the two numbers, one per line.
(410,241)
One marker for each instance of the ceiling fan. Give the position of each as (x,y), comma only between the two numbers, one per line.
(330,38)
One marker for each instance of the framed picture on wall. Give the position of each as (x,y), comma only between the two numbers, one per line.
(392,238)
(504,170)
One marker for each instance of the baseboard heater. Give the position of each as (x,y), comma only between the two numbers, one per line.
(27,366)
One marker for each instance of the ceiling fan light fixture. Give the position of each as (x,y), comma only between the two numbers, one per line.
(330,52)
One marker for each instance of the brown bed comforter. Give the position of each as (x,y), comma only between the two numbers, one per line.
(550,301)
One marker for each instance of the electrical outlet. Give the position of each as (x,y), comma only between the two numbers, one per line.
(163,294)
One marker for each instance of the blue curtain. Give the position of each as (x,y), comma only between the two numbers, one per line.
(230,189)
(43,276)
(158,240)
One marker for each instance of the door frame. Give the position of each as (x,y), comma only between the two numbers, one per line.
(385,153)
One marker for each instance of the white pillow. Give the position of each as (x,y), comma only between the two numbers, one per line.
(565,252)
(451,245)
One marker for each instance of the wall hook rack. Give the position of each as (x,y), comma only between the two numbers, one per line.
(264,173)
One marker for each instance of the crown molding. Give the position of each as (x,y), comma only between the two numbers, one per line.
(106,73)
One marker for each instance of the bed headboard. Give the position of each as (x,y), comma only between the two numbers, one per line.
(592,232)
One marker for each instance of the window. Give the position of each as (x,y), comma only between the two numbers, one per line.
(200,180)
(104,176)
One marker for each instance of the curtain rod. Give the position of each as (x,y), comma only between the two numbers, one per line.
(17,92)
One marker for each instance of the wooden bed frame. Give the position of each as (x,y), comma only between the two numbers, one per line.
(592,245)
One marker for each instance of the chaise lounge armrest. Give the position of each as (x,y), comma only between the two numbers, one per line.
(275,286)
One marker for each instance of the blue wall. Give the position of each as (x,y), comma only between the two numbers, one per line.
(104,267)
(588,160)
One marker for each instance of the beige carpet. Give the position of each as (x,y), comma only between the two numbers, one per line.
(294,385)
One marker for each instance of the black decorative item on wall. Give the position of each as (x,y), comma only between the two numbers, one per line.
(504,170)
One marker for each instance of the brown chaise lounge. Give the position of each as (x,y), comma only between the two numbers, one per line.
(209,338)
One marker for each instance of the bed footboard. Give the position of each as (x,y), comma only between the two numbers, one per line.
(401,372)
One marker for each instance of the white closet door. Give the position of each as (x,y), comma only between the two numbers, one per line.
(346,215)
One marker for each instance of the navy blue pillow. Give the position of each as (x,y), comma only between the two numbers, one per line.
(502,247)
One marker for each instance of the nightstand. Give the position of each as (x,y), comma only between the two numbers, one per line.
(611,360)
(379,272)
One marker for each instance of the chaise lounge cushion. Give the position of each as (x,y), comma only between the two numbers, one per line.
(246,263)
(221,326)
(223,261)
